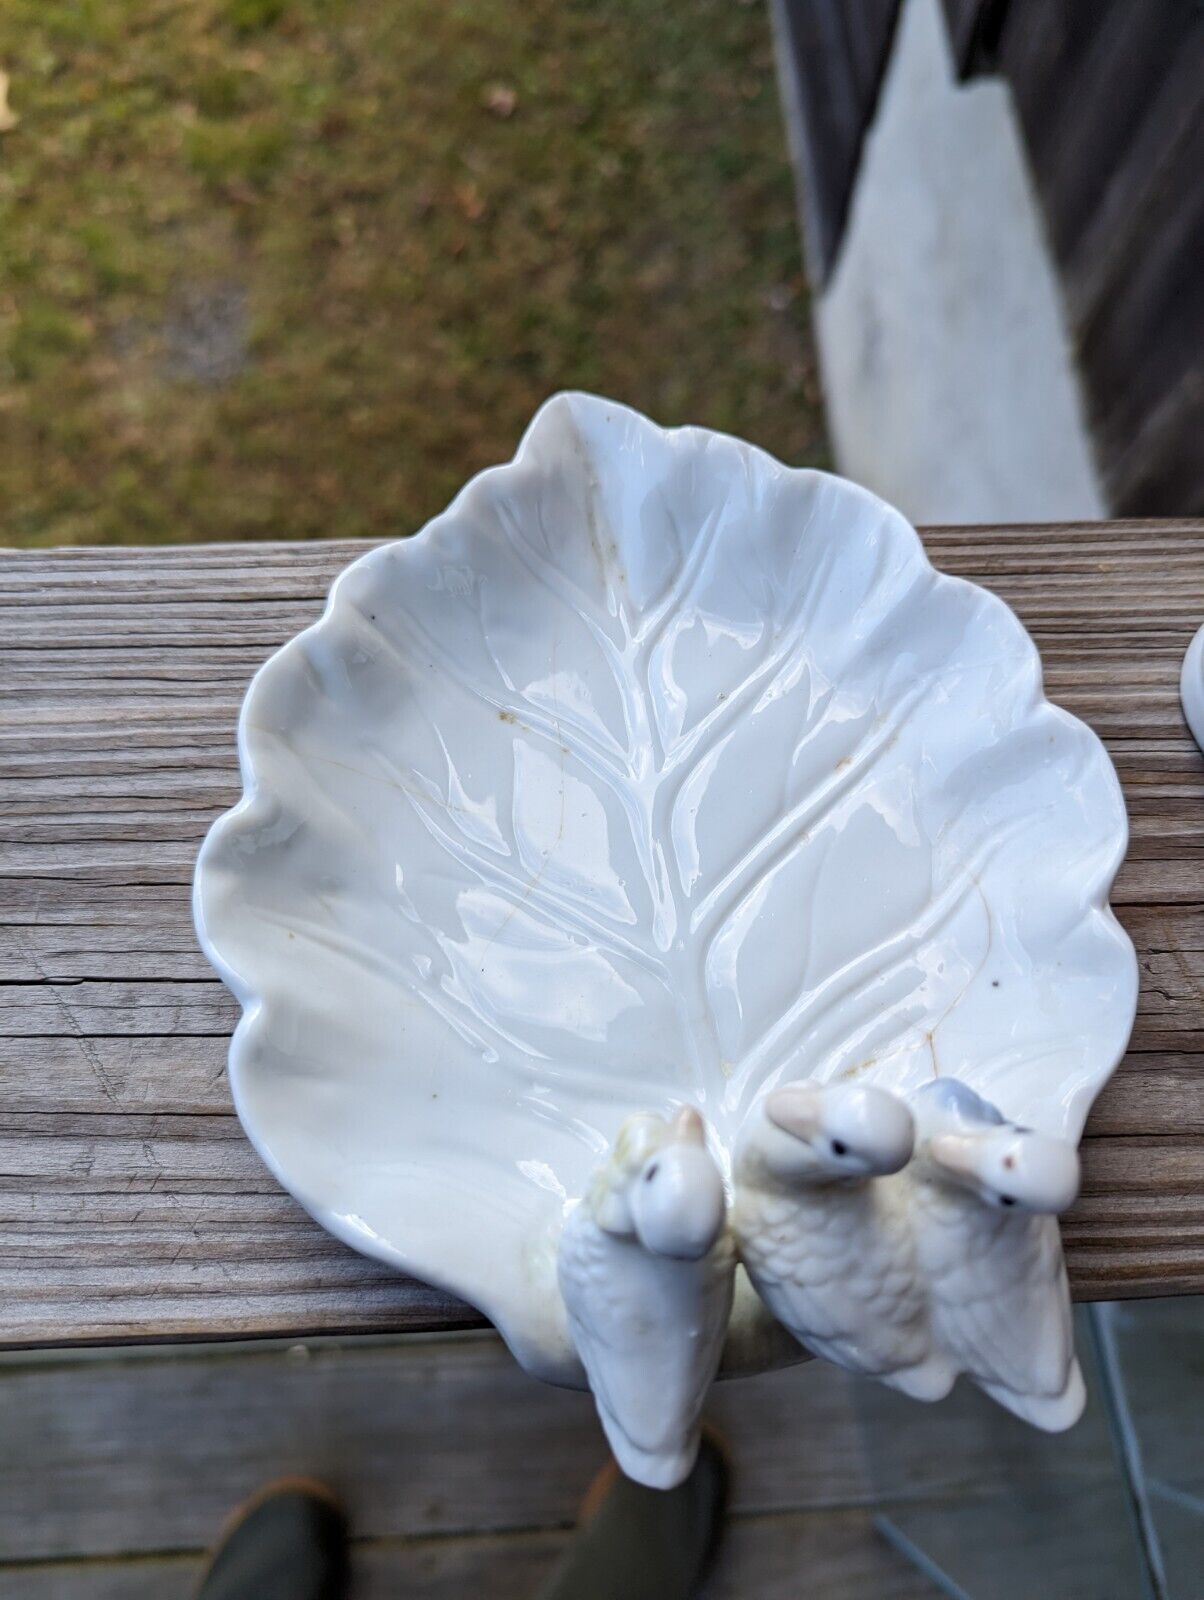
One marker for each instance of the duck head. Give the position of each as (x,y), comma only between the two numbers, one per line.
(1007,1167)
(661,1187)
(816,1133)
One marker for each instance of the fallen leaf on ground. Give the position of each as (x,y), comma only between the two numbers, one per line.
(468,197)
(501,99)
(8,118)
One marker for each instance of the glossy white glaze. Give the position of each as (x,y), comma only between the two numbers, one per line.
(650,772)
(1191,686)
(646,1269)
(983,1197)
(827,1243)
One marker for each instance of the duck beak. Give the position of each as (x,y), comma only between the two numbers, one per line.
(795,1109)
(956,1153)
(688,1127)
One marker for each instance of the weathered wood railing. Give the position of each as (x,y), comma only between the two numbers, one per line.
(131,1205)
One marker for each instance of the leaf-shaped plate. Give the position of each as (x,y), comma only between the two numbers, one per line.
(651,771)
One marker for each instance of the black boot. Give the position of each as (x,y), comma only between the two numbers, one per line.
(634,1543)
(288,1543)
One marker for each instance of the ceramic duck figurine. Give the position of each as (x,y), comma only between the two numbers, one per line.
(985,1198)
(826,1242)
(646,1268)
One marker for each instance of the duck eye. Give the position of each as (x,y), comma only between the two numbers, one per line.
(652,1172)
(1007,1200)
(839,1148)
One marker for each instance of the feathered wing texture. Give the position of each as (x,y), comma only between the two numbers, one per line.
(1001,1305)
(649,1332)
(836,1266)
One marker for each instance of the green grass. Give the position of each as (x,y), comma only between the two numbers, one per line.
(296,268)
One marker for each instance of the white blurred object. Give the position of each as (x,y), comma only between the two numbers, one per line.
(1191,687)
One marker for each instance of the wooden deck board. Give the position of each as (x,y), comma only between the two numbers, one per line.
(127,1466)
(147,1452)
(120,1468)
(838,1552)
(132,1208)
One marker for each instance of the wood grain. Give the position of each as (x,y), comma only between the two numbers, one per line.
(131,1206)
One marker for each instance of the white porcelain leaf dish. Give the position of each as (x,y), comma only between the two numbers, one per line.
(651,773)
